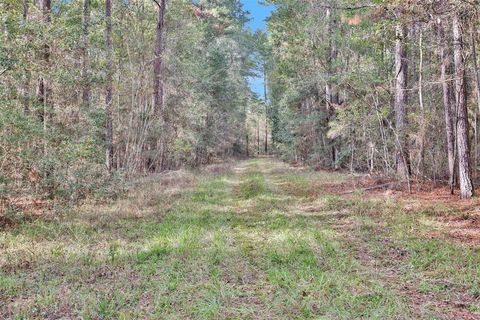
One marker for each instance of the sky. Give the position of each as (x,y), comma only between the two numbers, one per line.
(258,14)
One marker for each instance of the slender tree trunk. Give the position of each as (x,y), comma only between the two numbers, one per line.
(158,61)
(401,73)
(266,106)
(27,75)
(84,58)
(446,60)
(258,136)
(477,91)
(331,90)
(43,89)
(421,154)
(475,64)
(463,147)
(158,89)
(266,137)
(109,88)
(413,31)
(45,111)
(475,147)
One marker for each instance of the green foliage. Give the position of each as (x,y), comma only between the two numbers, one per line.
(207,59)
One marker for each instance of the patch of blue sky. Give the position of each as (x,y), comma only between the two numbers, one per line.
(259,12)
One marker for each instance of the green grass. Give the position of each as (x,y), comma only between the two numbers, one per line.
(259,242)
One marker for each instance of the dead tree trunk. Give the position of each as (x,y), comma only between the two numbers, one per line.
(463,146)
(401,72)
(446,60)
(84,58)
(108,88)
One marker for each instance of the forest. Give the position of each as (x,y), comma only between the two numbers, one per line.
(164,159)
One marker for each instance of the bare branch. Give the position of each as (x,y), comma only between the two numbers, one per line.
(360,7)
(158,4)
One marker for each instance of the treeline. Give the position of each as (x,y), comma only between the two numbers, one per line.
(388,87)
(92,91)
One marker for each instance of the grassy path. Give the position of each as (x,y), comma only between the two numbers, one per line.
(260,240)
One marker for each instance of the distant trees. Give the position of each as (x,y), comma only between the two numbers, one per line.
(129,87)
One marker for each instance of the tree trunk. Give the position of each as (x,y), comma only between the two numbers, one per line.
(158,61)
(463,147)
(43,89)
(446,60)
(45,111)
(331,91)
(247,146)
(477,91)
(108,88)
(158,90)
(258,136)
(266,106)
(401,73)
(266,137)
(475,64)
(84,58)
(26,80)
(422,133)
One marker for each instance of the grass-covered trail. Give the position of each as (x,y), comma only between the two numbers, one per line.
(256,240)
